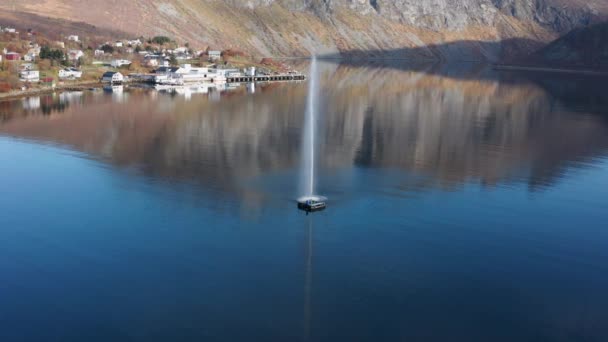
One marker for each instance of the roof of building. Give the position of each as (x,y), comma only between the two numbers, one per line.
(110,73)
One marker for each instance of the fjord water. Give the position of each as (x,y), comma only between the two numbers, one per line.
(465,205)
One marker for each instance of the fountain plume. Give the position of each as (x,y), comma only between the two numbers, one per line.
(308,146)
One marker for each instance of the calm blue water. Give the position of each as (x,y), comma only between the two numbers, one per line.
(461,209)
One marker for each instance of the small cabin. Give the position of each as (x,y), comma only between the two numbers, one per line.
(112,77)
(214,55)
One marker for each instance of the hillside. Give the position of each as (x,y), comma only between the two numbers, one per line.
(299,27)
(581,48)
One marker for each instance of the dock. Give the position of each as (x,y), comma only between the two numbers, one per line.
(266,78)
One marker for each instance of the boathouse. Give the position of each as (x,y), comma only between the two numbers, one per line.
(112,77)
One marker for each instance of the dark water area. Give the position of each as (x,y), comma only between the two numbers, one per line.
(464,205)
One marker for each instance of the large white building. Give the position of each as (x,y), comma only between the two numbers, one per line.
(70,73)
(184,74)
(29,76)
(117,63)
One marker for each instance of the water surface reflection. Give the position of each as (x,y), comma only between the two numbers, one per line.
(464,205)
(450,130)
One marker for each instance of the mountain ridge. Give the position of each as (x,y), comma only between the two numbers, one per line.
(301,28)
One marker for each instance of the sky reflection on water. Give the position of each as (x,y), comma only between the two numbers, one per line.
(461,208)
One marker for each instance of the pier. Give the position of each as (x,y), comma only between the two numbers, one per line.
(266,78)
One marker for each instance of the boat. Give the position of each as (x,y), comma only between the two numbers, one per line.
(311,204)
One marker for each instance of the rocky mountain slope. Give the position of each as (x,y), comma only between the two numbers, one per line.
(583,48)
(301,27)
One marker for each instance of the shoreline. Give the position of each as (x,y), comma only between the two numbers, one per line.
(550,70)
(14,95)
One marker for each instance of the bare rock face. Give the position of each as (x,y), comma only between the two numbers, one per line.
(557,15)
(438,14)
(439,29)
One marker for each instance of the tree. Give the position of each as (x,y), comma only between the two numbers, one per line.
(107,48)
(173,60)
(48,53)
(160,40)
(138,49)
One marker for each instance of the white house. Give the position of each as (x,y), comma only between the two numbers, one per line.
(73,38)
(250,71)
(10,30)
(117,63)
(112,77)
(99,53)
(214,55)
(29,75)
(74,55)
(29,57)
(151,62)
(118,44)
(70,73)
(134,42)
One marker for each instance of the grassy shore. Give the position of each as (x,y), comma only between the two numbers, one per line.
(73,86)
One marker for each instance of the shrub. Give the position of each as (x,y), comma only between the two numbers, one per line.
(5,87)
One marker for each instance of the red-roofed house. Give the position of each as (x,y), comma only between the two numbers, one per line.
(12,56)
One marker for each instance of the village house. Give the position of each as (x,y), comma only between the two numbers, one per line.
(117,63)
(48,82)
(12,56)
(74,55)
(34,49)
(151,62)
(118,44)
(9,30)
(214,55)
(70,73)
(29,57)
(1,58)
(112,77)
(29,75)
(134,42)
(156,60)
(60,44)
(73,38)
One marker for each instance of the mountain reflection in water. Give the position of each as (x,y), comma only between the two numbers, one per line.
(495,129)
